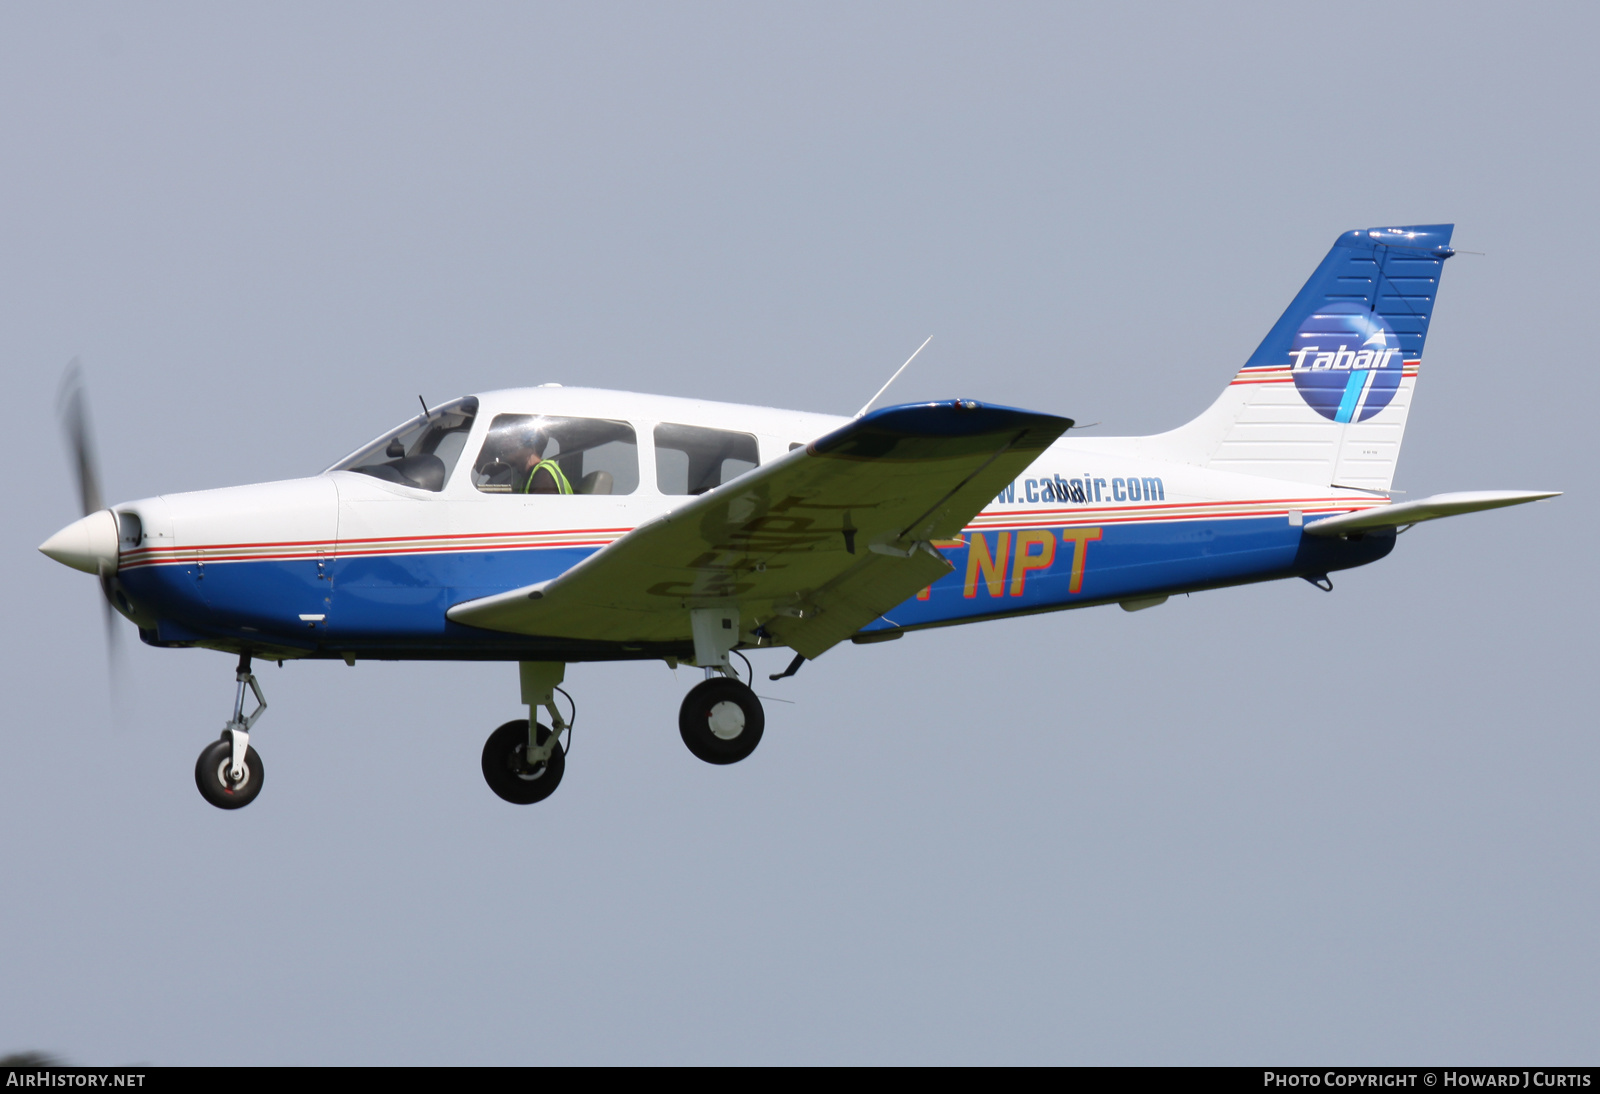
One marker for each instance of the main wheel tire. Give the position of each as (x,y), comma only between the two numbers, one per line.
(721,721)
(211,775)
(506,768)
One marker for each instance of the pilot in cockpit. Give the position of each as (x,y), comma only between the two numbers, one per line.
(524,448)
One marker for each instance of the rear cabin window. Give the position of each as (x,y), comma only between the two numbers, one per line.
(541,454)
(691,459)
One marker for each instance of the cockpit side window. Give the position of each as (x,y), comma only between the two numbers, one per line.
(422,452)
(542,454)
(691,459)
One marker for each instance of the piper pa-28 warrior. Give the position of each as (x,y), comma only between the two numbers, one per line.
(550,524)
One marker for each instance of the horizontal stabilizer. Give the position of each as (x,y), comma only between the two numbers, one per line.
(1412,512)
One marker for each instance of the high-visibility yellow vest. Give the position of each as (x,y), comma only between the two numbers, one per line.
(563,486)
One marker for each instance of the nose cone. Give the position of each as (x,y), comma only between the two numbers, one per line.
(89,544)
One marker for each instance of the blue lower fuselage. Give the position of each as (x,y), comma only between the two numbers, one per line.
(393,606)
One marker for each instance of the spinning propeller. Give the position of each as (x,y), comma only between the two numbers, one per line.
(90,543)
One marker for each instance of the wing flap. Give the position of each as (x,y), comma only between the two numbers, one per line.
(855,598)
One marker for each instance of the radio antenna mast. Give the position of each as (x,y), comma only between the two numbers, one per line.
(893,378)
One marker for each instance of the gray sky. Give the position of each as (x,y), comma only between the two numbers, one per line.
(1261,825)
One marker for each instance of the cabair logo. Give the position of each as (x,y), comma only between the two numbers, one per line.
(1346,362)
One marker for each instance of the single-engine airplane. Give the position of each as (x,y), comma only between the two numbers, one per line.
(548,525)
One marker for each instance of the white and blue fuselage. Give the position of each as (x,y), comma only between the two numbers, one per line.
(345,564)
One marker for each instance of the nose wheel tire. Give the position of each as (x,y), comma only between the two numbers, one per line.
(211,776)
(509,774)
(721,721)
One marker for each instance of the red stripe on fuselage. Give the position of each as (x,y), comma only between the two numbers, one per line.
(1157,512)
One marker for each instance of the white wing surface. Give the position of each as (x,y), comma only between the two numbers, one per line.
(1430,508)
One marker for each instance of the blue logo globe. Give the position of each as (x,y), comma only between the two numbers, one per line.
(1346,362)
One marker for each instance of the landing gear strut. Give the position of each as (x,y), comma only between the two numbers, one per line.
(523,761)
(721,719)
(229,772)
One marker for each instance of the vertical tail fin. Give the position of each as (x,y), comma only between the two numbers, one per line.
(1324,398)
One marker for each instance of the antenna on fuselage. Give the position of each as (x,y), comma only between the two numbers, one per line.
(424,403)
(893,378)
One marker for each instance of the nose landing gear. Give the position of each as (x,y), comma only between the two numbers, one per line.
(229,772)
(214,775)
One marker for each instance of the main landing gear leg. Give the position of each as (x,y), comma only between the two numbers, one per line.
(522,760)
(229,772)
(721,719)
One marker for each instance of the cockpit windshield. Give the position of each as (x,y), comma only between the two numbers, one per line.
(422,452)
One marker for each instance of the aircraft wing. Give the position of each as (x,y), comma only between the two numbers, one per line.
(810,548)
(1430,508)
